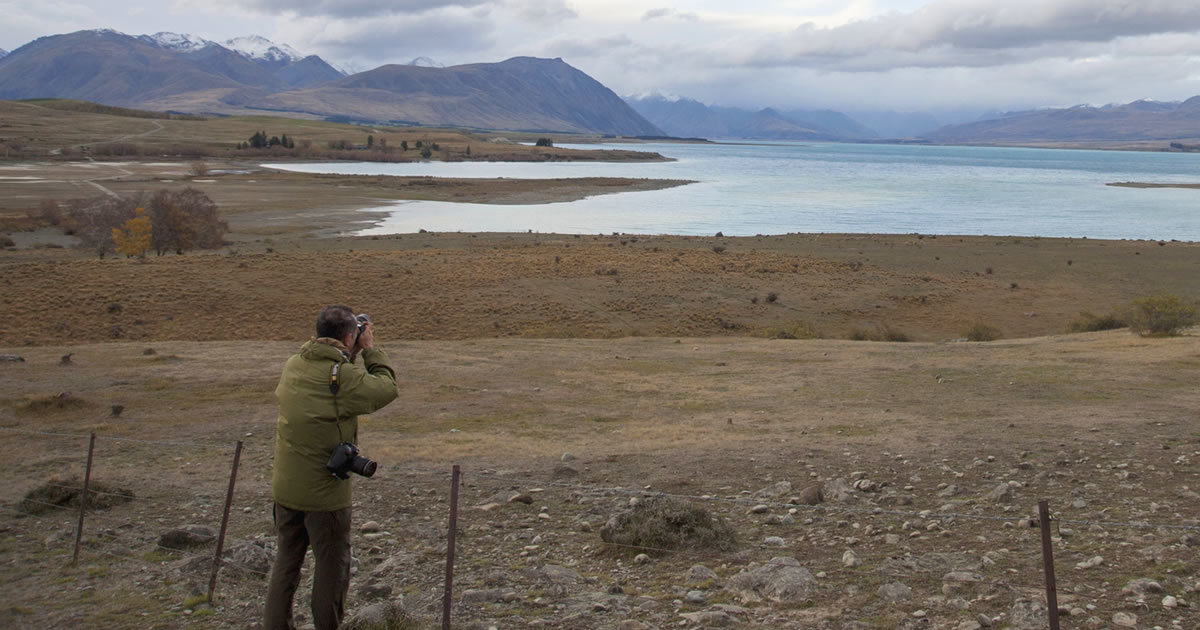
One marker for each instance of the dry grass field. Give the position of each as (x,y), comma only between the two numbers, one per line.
(1101,424)
(582,372)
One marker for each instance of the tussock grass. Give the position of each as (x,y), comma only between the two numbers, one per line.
(980,331)
(669,524)
(793,330)
(66,492)
(1088,322)
(61,401)
(883,332)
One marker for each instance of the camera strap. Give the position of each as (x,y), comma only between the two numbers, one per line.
(334,387)
(334,384)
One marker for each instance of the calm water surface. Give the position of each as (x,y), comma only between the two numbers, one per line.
(747,189)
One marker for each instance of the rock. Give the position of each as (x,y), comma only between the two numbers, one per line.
(1142,586)
(668,523)
(891,539)
(695,597)
(369,527)
(556,574)
(567,457)
(893,592)
(15,358)
(850,559)
(839,490)
(1090,563)
(781,580)
(382,615)
(709,618)
(866,485)
(774,541)
(251,556)
(933,562)
(563,471)
(774,491)
(984,620)
(760,509)
(701,575)
(632,624)
(483,596)
(488,507)
(521,497)
(951,490)
(1079,504)
(374,590)
(1170,602)
(1000,494)
(969,625)
(811,495)
(641,558)
(1027,615)
(1124,620)
(187,536)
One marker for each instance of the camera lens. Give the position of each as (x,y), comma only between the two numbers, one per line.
(368,468)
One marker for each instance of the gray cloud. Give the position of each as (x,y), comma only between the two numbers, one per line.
(584,48)
(974,33)
(654,14)
(352,8)
(543,11)
(397,39)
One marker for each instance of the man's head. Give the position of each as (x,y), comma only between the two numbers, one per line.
(337,322)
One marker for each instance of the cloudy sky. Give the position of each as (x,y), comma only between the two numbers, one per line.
(906,55)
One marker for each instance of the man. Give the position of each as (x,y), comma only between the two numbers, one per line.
(320,394)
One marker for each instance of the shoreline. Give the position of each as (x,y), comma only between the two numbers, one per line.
(1152,185)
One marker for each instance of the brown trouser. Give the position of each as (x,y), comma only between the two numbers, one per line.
(329,535)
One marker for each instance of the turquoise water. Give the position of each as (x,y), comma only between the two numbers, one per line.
(746,189)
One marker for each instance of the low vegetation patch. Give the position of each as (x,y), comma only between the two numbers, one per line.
(980,331)
(57,402)
(65,493)
(669,524)
(794,330)
(883,332)
(1087,322)
(1160,315)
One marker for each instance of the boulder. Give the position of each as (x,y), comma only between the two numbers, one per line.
(893,592)
(187,536)
(774,491)
(839,490)
(811,495)
(781,580)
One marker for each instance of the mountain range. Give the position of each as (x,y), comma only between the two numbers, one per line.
(174,72)
(184,73)
(1141,120)
(688,118)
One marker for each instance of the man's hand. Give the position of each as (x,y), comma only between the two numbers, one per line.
(366,340)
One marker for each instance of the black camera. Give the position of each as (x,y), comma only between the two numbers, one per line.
(363,319)
(345,460)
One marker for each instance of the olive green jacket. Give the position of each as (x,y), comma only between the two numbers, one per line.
(308,428)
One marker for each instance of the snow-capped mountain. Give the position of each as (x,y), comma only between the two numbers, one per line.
(3,53)
(252,47)
(425,62)
(177,42)
(261,48)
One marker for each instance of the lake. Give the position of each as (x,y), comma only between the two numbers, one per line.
(777,188)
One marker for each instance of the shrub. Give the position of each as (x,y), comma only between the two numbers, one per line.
(794,330)
(772,297)
(544,142)
(65,493)
(5,241)
(199,169)
(1087,322)
(718,248)
(883,332)
(1160,315)
(57,402)
(668,524)
(980,331)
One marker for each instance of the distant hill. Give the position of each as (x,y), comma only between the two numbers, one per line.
(1136,121)
(116,69)
(685,117)
(522,93)
(176,72)
(3,53)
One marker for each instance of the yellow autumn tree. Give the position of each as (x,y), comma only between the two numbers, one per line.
(133,238)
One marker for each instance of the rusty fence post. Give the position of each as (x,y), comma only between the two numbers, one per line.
(87,479)
(1048,563)
(448,595)
(216,564)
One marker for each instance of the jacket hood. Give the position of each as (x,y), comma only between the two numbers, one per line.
(314,350)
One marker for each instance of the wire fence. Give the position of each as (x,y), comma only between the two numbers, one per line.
(127,527)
